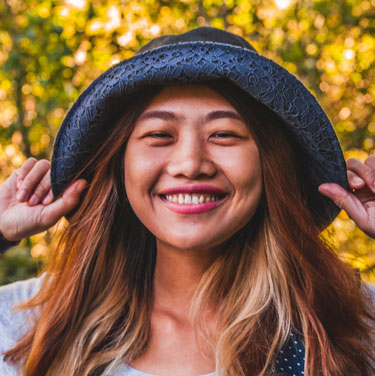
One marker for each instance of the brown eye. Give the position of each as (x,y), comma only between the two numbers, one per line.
(219,135)
(160,135)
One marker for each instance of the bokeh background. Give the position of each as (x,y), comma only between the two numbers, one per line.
(51,50)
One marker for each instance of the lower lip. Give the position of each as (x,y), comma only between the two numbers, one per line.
(191,208)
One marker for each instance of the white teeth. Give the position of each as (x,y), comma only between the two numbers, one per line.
(188,199)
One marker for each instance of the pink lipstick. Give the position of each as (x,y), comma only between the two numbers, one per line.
(192,199)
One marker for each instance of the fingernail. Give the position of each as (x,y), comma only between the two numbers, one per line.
(80,186)
(47,200)
(357,180)
(33,199)
(324,188)
(21,195)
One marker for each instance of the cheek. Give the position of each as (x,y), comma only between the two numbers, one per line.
(131,172)
(136,182)
(243,168)
(247,179)
(133,180)
(139,170)
(251,177)
(142,171)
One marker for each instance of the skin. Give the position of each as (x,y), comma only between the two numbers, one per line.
(19,216)
(190,150)
(173,144)
(359,203)
(186,149)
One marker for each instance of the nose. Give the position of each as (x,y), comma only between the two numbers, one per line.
(191,159)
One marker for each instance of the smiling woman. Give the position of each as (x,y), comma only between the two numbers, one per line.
(193,245)
(192,153)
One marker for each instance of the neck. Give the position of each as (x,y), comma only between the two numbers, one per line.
(177,274)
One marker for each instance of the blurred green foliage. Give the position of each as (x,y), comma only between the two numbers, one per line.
(51,50)
(18,264)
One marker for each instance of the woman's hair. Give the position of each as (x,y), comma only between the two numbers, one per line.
(276,276)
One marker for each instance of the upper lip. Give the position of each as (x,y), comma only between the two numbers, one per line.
(196,188)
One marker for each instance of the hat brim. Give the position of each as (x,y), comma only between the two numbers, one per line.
(260,77)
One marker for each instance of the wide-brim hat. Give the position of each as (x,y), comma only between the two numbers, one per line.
(199,55)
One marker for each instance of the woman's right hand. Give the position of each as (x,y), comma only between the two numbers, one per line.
(27,206)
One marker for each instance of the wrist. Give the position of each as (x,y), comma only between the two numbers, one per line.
(6,244)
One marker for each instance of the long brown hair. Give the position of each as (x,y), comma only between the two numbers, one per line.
(277,275)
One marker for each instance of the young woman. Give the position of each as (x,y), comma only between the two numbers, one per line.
(196,178)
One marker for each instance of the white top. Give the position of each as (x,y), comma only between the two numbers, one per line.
(12,325)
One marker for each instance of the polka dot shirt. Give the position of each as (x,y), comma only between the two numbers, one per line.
(291,359)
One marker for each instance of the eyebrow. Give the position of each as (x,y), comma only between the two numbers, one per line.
(223,114)
(171,116)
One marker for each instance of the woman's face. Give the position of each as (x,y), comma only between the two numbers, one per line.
(192,168)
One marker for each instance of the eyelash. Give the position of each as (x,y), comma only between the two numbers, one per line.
(225,134)
(164,135)
(159,135)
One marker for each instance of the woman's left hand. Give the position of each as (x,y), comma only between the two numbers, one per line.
(359,203)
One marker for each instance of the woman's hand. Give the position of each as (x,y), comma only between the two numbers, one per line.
(360,202)
(27,206)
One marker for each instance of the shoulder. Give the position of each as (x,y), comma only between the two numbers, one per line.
(14,323)
(17,292)
(369,291)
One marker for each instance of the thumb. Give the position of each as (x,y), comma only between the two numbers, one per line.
(344,200)
(64,204)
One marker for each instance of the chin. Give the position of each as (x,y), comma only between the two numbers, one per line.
(193,243)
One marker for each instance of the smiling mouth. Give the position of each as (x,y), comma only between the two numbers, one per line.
(192,199)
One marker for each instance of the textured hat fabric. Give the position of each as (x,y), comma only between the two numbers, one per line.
(200,55)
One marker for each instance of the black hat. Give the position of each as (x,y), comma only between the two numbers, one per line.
(199,55)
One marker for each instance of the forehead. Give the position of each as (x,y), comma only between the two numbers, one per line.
(197,95)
